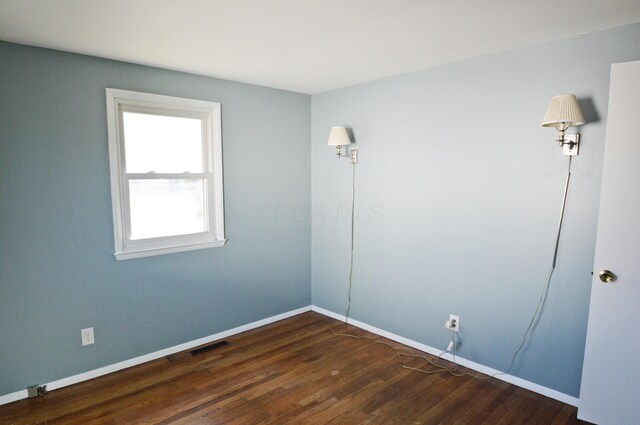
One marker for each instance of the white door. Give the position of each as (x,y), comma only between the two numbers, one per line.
(610,391)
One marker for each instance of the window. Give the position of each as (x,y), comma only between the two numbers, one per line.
(165,155)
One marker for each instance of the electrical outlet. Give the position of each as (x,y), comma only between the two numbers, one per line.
(32,391)
(87,336)
(36,391)
(453,324)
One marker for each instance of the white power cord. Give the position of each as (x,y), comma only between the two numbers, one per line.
(545,288)
(353,204)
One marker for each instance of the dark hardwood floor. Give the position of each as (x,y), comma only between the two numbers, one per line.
(293,371)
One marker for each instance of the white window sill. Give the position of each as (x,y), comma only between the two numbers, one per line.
(168,250)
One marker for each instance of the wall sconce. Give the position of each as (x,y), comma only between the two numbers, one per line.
(339,138)
(564,112)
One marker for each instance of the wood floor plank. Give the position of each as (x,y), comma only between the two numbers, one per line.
(295,371)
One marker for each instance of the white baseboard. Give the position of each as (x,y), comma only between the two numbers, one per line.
(536,388)
(10,398)
(19,395)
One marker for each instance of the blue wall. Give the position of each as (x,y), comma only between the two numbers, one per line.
(458,195)
(57,269)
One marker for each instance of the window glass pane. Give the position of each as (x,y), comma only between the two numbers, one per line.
(166,207)
(162,144)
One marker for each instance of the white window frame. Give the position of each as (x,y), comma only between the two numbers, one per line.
(209,114)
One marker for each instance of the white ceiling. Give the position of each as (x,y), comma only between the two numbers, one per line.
(307,46)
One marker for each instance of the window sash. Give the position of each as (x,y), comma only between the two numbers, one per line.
(203,147)
(204,118)
(208,234)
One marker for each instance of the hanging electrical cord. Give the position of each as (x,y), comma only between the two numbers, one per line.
(353,205)
(440,368)
(543,294)
(536,314)
(443,368)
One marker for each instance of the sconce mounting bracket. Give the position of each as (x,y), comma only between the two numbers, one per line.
(570,144)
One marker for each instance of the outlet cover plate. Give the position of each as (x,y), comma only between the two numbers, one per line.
(32,391)
(571,145)
(87,336)
(453,317)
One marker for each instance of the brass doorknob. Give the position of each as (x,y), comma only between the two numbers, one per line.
(607,276)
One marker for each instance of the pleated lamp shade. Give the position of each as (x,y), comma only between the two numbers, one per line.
(563,112)
(339,137)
